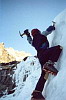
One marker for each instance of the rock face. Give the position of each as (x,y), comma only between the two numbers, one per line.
(7,82)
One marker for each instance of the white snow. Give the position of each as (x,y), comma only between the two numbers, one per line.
(55,87)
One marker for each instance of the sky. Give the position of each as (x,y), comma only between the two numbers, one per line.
(18,15)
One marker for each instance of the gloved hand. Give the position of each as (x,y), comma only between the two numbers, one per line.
(27,32)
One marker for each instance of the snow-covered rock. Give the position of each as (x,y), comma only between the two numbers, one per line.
(26,77)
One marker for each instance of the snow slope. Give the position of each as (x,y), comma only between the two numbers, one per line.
(55,87)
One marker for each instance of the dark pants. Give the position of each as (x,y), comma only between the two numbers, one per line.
(52,54)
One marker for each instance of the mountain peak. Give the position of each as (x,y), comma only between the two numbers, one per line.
(9,54)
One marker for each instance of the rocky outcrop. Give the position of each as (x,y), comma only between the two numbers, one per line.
(7,82)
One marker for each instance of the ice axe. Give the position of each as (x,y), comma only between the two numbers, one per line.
(21,34)
(53,23)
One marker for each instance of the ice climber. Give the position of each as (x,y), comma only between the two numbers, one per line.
(47,56)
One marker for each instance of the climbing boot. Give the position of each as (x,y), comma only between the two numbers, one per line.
(37,95)
(49,67)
